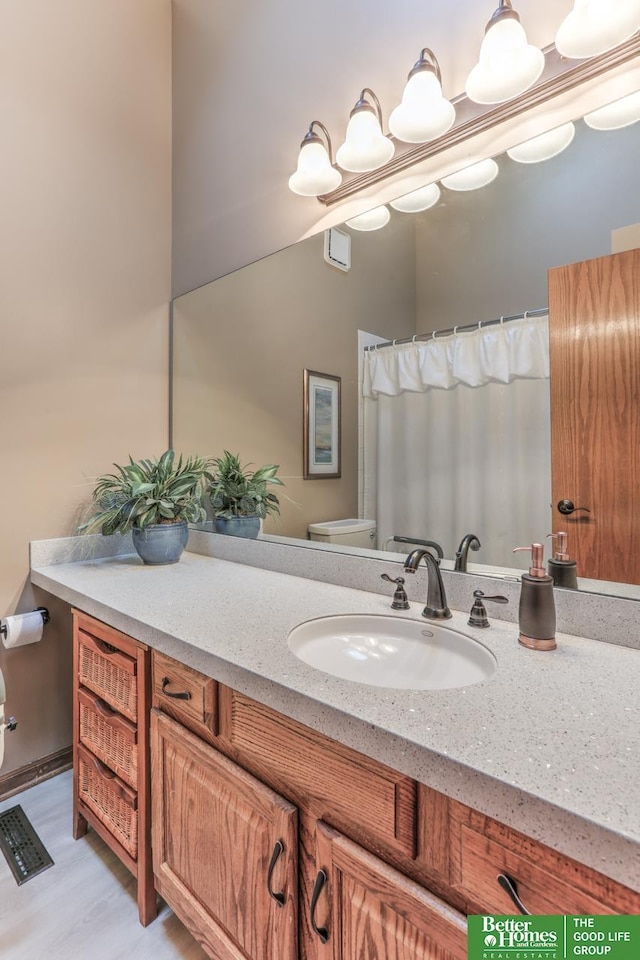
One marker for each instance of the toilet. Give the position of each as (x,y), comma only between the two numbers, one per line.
(348,533)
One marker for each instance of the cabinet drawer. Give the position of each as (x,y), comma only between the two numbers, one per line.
(186,695)
(109,672)
(109,736)
(111,800)
(348,790)
(541,888)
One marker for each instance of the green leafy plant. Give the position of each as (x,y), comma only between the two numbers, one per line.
(237,491)
(149,492)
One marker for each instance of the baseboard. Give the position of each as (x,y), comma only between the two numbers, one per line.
(35,772)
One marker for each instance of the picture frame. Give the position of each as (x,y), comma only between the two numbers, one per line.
(321,426)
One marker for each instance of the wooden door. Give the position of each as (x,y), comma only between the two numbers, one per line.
(367,910)
(594,339)
(225,849)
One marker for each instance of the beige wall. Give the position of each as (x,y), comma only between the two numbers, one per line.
(84,285)
(242,343)
(248,79)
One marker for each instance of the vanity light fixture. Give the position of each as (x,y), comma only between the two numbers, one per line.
(595,26)
(508,64)
(365,146)
(424,113)
(472,178)
(421,199)
(545,146)
(315,173)
(370,220)
(614,116)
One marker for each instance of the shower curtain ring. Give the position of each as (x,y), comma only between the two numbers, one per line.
(394,343)
(479,324)
(501,321)
(455,330)
(525,315)
(414,338)
(433,335)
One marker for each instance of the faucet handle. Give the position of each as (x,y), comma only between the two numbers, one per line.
(400,600)
(478,616)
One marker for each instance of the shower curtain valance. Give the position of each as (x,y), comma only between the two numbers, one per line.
(496,354)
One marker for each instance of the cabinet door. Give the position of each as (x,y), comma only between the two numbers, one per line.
(224,849)
(367,910)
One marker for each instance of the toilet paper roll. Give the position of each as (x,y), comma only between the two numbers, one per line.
(21,629)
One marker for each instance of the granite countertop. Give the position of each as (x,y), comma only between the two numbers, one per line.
(550,744)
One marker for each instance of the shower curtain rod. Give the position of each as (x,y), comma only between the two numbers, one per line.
(538,312)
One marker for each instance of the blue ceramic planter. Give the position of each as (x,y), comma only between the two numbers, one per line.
(161,542)
(248,527)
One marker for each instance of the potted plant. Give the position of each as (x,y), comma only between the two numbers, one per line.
(154,499)
(240,497)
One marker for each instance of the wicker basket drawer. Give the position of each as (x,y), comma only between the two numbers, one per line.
(109,736)
(108,672)
(113,803)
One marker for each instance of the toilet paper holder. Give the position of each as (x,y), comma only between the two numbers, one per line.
(44,613)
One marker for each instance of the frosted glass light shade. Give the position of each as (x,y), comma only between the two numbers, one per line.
(371,220)
(545,146)
(417,200)
(621,113)
(423,114)
(472,178)
(595,26)
(365,147)
(508,64)
(314,174)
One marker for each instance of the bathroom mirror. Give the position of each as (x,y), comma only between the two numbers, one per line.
(241,343)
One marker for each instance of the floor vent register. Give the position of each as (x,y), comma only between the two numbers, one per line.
(23,850)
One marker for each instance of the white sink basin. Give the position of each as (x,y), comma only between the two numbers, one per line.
(392,652)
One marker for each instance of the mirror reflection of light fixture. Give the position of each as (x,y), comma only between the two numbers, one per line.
(421,199)
(365,147)
(545,146)
(621,113)
(472,178)
(371,220)
(595,26)
(508,64)
(315,173)
(424,113)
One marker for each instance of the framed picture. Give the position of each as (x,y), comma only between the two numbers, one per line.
(321,425)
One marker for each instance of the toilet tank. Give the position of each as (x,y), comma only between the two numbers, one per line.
(349,533)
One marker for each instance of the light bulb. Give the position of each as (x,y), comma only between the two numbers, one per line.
(314,174)
(508,64)
(595,26)
(365,147)
(472,178)
(621,113)
(371,220)
(545,146)
(417,200)
(423,114)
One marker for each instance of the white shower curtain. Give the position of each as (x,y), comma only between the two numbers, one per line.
(443,461)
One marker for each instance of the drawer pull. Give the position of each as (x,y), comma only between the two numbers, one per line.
(511,888)
(322,932)
(278,850)
(175,696)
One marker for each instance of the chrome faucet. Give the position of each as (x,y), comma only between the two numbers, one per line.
(436,608)
(468,541)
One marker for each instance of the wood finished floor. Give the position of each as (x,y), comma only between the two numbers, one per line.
(84,907)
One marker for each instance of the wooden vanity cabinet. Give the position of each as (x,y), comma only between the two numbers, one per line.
(111,789)
(273,793)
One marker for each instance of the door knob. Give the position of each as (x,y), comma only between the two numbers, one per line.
(567,507)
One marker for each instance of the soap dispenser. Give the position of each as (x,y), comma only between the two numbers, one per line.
(561,568)
(537,613)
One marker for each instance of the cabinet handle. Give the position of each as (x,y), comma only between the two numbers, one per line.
(511,888)
(278,850)
(175,696)
(322,932)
